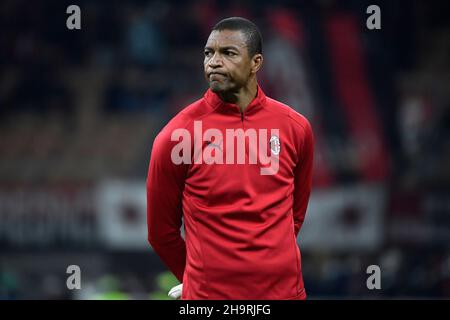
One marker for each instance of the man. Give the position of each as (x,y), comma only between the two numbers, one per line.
(236,167)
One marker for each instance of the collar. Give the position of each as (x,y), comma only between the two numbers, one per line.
(216,102)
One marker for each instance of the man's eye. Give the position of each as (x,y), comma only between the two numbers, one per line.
(231,54)
(207,53)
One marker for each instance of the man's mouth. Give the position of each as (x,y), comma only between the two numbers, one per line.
(216,76)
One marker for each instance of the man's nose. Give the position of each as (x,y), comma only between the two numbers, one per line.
(215,61)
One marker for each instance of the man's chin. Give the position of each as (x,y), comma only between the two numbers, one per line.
(217,87)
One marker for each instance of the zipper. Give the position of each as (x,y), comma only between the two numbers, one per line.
(245,139)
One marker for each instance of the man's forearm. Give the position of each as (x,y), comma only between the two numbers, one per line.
(172,251)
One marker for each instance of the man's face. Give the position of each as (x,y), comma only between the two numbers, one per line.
(227,62)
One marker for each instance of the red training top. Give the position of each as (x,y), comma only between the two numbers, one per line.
(241,215)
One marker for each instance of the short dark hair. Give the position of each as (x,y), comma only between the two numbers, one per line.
(248,28)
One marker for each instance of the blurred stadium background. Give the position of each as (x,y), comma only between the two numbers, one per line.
(79,110)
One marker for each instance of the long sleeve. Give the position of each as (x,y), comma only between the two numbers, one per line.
(303,178)
(165,184)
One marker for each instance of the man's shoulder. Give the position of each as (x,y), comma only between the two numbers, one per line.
(295,117)
(194,110)
(185,117)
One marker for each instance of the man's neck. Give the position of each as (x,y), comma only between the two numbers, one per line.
(243,97)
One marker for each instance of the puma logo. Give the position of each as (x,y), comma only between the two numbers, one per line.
(215,145)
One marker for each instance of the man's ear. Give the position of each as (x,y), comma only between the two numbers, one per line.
(257,61)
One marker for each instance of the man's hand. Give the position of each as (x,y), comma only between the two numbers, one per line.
(175,292)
